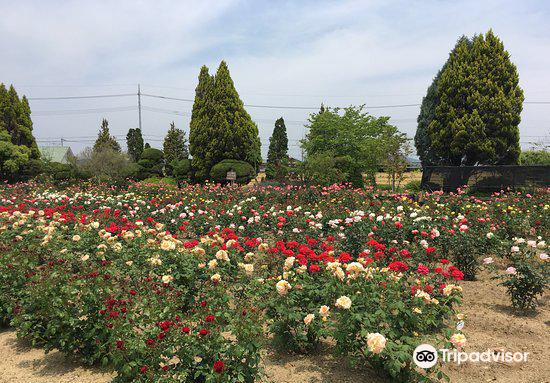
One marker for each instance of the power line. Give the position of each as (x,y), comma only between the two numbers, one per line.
(82,97)
(279,106)
(247,105)
(72,86)
(162,110)
(83,111)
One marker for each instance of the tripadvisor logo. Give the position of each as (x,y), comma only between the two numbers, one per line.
(426,356)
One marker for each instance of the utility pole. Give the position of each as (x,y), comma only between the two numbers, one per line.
(139,105)
(62,140)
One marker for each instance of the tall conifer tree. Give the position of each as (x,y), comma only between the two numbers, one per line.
(134,143)
(15,117)
(277,154)
(200,124)
(104,139)
(220,126)
(479,105)
(175,145)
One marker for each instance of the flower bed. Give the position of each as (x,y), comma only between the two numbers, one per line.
(191,284)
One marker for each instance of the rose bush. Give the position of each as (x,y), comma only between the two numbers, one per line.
(168,284)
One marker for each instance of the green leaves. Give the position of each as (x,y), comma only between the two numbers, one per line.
(342,146)
(175,145)
(220,127)
(104,139)
(277,155)
(18,147)
(134,143)
(471,112)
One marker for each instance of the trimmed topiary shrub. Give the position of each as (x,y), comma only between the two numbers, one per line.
(244,171)
(181,169)
(151,163)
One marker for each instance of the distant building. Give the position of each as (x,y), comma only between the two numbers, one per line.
(61,154)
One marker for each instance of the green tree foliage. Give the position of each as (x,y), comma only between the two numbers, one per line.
(479,103)
(19,152)
(134,142)
(181,170)
(354,139)
(13,158)
(277,155)
(322,168)
(397,150)
(104,164)
(534,157)
(104,139)
(151,163)
(200,124)
(244,171)
(220,126)
(422,139)
(175,146)
(15,117)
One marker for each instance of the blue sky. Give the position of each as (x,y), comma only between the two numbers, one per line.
(296,53)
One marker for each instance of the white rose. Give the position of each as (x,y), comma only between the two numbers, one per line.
(343,302)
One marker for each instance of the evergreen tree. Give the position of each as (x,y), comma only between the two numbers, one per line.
(199,132)
(104,139)
(13,158)
(277,154)
(134,142)
(479,105)
(15,118)
(422,139)
(19,152)
(175,145)
(220,126)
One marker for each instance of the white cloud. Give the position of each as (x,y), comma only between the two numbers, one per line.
(290,53)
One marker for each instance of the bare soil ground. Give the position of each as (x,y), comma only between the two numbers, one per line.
(490,324)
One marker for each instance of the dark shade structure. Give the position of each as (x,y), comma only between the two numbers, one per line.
(484,178)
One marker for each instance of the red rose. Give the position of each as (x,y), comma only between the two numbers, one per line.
(210,318)
(186,330)
(165,325)
(422,269)
(398,266)
(219,366)
(344,257)
(314,268)
(120,344)
(203,332)
(143,369)
(458,275)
